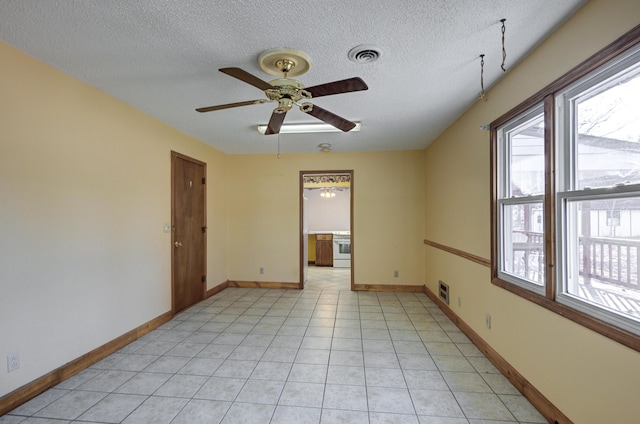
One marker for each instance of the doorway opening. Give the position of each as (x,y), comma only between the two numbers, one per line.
(326,230)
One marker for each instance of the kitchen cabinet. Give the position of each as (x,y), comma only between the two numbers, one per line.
(324,250)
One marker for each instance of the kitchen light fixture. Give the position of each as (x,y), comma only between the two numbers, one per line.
(328,192)
(307,128)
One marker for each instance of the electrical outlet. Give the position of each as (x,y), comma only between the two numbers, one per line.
(13,361)
(396,274)
(261,270)
(488,321)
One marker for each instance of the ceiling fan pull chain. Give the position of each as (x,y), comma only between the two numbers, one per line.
(278,155)
(482,93)
(504,51)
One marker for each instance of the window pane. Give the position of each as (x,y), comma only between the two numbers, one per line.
(526,158)
(523,244)
(608,132)
(603,251)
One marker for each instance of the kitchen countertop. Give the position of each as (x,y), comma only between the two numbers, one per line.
(341,233)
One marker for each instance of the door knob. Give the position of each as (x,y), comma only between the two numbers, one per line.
(177,244)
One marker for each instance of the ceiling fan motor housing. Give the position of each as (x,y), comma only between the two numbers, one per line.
(285,88)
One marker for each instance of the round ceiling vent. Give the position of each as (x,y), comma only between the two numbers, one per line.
(365,53)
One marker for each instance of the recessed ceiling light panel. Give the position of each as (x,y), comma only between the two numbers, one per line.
(308,128)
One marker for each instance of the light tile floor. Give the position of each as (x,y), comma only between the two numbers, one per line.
(321,355)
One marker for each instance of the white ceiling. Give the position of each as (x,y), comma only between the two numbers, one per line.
(162,57)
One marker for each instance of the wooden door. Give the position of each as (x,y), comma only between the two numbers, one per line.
(188,241)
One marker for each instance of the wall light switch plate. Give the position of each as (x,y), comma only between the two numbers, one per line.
(166,228)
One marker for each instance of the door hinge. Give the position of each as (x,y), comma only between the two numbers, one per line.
(204,278)
(204,229)
(204,180)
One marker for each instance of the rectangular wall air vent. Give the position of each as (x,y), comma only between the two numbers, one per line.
(443,291)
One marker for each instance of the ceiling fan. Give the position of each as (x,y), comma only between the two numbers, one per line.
(288,92)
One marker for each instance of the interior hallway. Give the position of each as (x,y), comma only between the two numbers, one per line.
(321,355)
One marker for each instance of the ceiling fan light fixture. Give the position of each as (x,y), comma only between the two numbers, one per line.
(307,128)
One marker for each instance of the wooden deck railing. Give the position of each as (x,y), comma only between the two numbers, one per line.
(611,260)
(531,245)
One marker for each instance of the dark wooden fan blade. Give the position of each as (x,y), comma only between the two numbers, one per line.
(331,118)
(337,87)
(245,76)
(230,105)
(275,123)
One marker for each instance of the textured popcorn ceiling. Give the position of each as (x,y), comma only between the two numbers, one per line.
(162,57)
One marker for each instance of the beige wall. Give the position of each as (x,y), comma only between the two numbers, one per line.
(85,188)
(84,194)
(388,212)
(589,377)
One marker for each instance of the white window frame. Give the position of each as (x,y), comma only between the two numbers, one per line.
(566,183)
(564,279)
(504,198)
(558,193)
